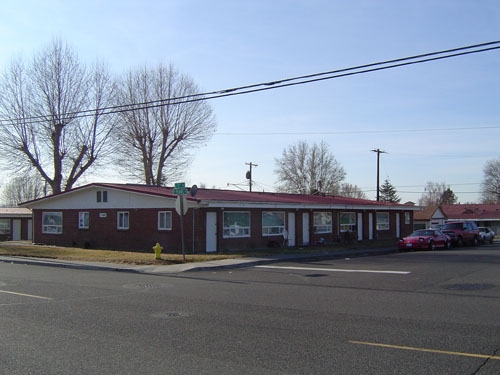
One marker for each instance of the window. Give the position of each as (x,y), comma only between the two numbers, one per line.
(322,222)
(123,220)
(236,224)
(382,221)
(347,221)
(52,222)
(102,196)
(83,220)
(4,226)
(273,223)
(407,218)
(165,220)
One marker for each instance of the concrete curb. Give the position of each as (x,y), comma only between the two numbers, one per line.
(195,267)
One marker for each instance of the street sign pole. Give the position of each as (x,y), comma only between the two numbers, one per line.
(180,190)
(182,229)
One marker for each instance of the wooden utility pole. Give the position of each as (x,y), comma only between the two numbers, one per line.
(378,151)
(249,174)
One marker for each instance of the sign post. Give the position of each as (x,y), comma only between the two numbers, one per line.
(181,208)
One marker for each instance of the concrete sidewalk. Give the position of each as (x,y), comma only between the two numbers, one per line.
(201,266)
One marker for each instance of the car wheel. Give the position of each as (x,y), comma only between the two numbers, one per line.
(476,241)
(460,242)
(491,240)
(447,245)
(432,246)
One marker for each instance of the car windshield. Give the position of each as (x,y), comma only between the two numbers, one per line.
(454,226)
(422,232)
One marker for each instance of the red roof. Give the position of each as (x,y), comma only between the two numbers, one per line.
(246,196)
(216,195)
(426,214)
(472,211)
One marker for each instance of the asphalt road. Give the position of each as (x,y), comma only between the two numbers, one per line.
(405,313)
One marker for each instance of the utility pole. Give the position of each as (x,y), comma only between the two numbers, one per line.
(249,174)
(378,151)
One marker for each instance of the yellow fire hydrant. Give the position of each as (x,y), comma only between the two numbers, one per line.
(157,249)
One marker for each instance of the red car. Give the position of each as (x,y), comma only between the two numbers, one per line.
(425,239)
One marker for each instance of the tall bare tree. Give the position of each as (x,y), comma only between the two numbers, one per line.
(490,187)
(55,125)
(21,189)
(437,194)
(157,139)
(351,191)
(308,169)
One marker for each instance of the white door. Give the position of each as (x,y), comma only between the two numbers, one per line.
(211,232)
(16,230)
(291,229)
(360,226)
(370,226)
(305,228)
(398,225)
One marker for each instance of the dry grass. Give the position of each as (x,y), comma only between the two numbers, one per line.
(26,249)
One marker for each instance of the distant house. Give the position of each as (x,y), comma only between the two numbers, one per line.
(135,217)
(428,217)
(484,215)
(15,224)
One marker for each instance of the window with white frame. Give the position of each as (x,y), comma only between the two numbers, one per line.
(347,221)
(407,218)
(236,224)
(4,226)
(83,220)
(322,222)
(382,220)
(123,220)
(273,223)
(165,220)
(52,222)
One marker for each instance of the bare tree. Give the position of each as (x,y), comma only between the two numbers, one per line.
(351,191)
(490,187)
(50,127)
(307,169)
(437,194)
(22,189)
(157,140)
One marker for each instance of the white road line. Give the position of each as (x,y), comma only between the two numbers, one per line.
(335,270)
(24,295)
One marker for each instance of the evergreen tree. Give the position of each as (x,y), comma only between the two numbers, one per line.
(448,197)
(388,193)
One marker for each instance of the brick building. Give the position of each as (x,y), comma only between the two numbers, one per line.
(135,217)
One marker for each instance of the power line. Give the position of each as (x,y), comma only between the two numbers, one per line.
(287,82)
(340,132)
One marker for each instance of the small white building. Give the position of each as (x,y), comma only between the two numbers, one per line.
(428,217)
(15,224)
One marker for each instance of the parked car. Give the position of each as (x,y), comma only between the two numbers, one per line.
(425,239)
(462,232)
(438,226)
(486,234)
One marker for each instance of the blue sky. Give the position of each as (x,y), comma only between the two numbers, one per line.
(437,121)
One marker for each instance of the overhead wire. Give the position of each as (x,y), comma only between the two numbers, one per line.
(287,82)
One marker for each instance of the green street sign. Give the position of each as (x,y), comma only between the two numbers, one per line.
(180,188)
(180,191)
